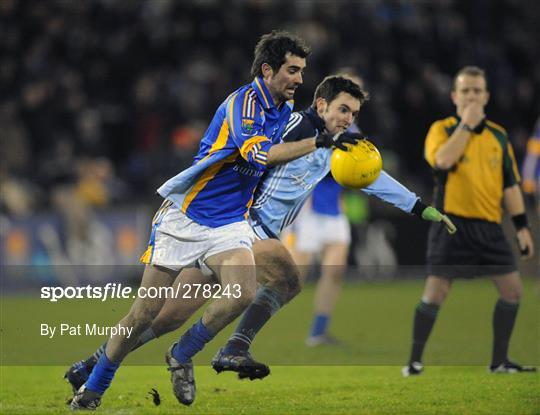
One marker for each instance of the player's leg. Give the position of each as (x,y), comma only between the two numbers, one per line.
(333,266)
(510,290)
(280,282)
(174,313)
(139,318)
(436,290)
(235,269)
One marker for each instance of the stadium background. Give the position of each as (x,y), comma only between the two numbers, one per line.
(101,101)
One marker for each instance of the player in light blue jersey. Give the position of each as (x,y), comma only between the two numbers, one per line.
(277,198)
(280,197)
(203,217)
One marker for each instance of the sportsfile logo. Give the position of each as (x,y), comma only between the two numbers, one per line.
(119,291)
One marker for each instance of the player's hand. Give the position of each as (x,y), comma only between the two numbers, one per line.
(433,215)
(338,140)
(525,243)
(473,114)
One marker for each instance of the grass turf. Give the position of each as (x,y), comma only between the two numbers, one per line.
(297,389)
(373,319)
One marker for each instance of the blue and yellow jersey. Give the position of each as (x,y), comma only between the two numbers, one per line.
(218,188)
(531,164)
(473,187)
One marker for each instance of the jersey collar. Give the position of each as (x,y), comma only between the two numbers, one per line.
(263,93)
(317,121)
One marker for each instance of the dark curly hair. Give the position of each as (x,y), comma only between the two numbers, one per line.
(333,85)
(272,49)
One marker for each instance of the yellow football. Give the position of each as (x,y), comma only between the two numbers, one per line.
(358,167)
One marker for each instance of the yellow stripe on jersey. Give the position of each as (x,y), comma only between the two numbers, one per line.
(248,206)
(203,180)
(145,258)
(533,146)
(221,140)
(262,91)
(514,162)
(222,137)
(248,145)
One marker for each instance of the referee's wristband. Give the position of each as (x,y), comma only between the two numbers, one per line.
(520,221)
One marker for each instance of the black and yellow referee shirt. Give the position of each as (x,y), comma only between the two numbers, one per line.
(473,187)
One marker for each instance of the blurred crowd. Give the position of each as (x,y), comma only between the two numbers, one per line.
(102,100)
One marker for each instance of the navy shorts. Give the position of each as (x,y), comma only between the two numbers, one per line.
(478,248)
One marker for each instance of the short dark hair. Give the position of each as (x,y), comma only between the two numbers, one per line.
(272,49)
(471,71)
(333,85)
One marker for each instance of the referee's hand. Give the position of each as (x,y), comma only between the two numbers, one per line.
(525,243)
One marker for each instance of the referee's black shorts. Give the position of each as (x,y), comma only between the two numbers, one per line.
(478,248)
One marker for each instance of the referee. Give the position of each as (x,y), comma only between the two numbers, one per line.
(475,170)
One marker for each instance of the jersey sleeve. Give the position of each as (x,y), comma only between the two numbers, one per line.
(391,191)
(246,127)
(510,168)
(435,138)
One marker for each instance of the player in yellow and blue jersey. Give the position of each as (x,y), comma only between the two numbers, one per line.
(203,217)
(531,167)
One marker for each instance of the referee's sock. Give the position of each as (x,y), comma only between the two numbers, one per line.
(191,342)
(504,317)
(266,303)
(424,319)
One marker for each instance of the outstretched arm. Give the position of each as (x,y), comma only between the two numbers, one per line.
(391,191)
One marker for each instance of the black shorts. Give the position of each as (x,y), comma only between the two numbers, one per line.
(478,248)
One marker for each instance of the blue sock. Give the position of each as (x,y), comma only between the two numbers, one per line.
(102,375)
(320,322)
(191,342)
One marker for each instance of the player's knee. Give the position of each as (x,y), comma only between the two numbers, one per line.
(336,277)
(294,284)
(142,317)
(435,297)
(436,290)
(248,292)
(512,295)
